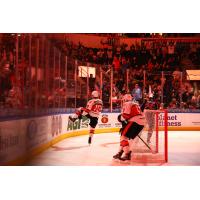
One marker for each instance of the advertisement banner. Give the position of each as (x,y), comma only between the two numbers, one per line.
(36,132)
(12,142)
(56,125)
(19,137)
(181,120)
(82,124)
(109,120)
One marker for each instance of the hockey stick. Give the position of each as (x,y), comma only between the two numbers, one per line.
(146,145)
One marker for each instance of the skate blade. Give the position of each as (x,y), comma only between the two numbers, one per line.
(125,161)
(116,160)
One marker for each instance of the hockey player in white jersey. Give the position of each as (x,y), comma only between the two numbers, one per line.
(133,121)
(150,117)
(92,111)
(148,107)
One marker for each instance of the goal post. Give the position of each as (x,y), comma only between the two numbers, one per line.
(163,126)
(155,135)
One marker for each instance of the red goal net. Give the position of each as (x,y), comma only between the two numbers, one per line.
(151,145)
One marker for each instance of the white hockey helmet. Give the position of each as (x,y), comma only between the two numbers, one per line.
(127,97)
(95,94)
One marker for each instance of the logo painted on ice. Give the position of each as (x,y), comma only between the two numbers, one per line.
(104,119)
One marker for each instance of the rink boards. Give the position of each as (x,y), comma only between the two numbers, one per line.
(23,138)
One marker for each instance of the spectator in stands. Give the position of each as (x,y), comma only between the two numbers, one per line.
(116,64)
(152,56)
(198,102)
(5,81)
(115,89)
(191,105)
(183,105)
(171,48)
(91,83)
(173,104)
(120,84)
(195,99)
(110,56)
(100,56)
(90,55)
(125,65)
(14,99)
(187,96)
(115,100)
(137,93)
(149,65)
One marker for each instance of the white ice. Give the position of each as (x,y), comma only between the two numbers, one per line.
(184,149)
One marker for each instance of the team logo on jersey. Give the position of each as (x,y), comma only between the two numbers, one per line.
(104,119)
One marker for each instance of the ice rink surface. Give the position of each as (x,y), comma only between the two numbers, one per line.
(184,150)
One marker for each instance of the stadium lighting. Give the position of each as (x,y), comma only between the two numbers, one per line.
(193,75)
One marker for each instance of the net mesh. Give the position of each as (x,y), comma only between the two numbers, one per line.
(151,144)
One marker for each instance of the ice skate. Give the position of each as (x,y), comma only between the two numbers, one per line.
(89,140)
(126,157)
(118,155)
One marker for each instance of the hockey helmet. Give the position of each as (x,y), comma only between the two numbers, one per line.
(134,101)
(127,97)
(95,94)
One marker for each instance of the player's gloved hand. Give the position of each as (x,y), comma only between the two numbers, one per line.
(84,113)
(124,123)
(120,118)
(79,112)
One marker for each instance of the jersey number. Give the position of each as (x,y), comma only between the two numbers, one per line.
(97,108)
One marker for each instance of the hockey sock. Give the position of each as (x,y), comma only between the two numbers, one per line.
(91,133)
(125,145)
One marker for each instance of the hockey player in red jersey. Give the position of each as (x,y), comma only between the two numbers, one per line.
(92,111)
(132,120)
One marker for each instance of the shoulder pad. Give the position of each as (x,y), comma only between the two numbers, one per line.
(98,101)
